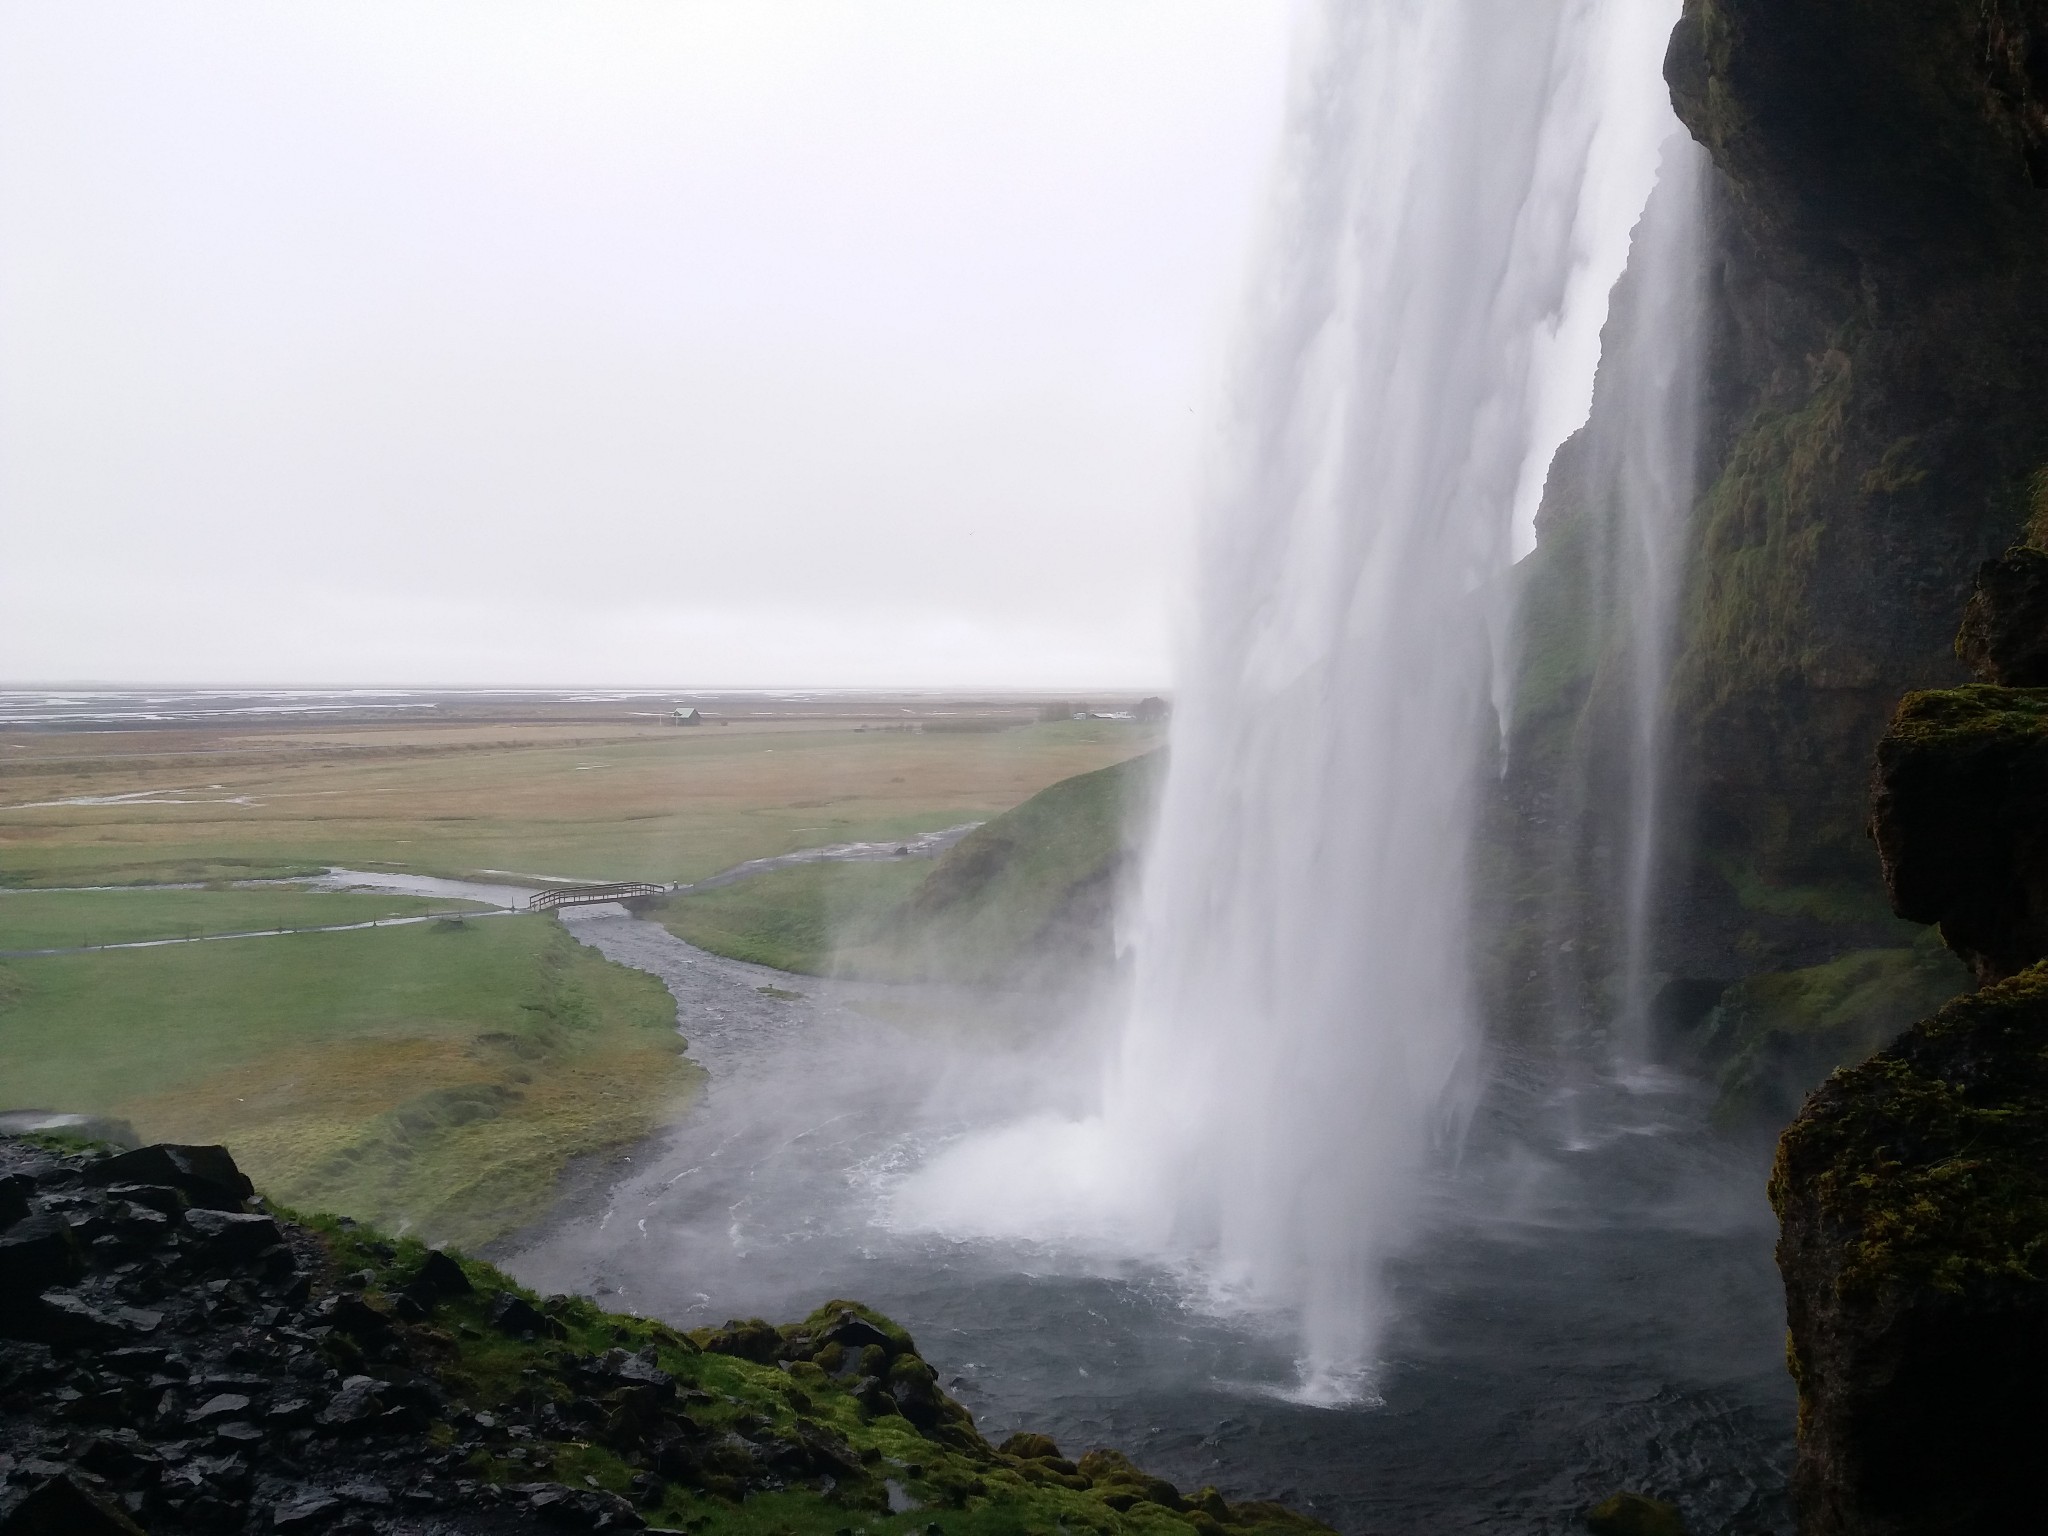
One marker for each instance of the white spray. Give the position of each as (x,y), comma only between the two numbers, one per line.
(1458,182)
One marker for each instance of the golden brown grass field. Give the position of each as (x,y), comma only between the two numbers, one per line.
(593,799)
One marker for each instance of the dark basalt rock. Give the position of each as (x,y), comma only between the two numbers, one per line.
(1959,813)
(207,1176)
(63,1507)
(36,1253)
(2004,634)
(1912,1194)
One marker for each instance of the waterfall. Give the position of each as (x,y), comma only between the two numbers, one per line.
(1457,186)
(1616,512)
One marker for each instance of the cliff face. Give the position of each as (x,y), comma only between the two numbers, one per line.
(1877,416)
(1912,1190)
(1874,427)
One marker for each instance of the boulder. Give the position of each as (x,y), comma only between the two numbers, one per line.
(746,1339)
(66,1318)
(206,1176)
(35,1254)
(308,1510)
(356,1404)
(65,1507)
(231,1236)
(515,1315)
(2004,633)
(1912,1193)
(1632,1514)
(439,1277)
(1959,813)
(15,1188)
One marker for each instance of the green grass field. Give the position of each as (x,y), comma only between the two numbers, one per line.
(435,1077)
(64,919)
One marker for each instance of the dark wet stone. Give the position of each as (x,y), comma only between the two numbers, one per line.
(439,1276)
(356,1317)
(165,1199)
(515,1315)
(36,1253)
(307,1511)
(356,1402)
(224,1405)
(63,1506)
(207,1176)
(15,1188)
(136,1359)
(365,1491)
(62,1317)
(231,1235)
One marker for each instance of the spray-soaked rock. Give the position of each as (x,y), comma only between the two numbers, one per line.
(1959,813)
(36,1253)
(1913,1196)
(2004,633)
(207,1176)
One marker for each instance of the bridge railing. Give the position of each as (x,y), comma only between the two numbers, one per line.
(589,895)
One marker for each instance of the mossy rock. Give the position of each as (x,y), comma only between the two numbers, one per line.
(1913,1197)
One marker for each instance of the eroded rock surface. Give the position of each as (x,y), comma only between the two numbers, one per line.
(1959,813)
(1913,1197)
(2004,634)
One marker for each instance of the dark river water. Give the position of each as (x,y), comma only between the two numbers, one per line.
(1590,1306)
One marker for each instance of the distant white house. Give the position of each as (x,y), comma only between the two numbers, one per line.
(684,715)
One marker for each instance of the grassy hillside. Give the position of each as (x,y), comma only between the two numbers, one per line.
(1030,894)
(435,1078)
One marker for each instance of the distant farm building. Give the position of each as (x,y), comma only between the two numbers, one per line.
(686,716)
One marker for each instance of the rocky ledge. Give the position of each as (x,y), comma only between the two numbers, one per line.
(1959,812)
(1913,1197)
(178,1357)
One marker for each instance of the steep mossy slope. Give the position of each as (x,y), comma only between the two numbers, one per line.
(1030,894)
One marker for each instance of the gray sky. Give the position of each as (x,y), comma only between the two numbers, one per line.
(703,341)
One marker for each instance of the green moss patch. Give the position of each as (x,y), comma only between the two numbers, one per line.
(1930,1160)
(1773,1037)
(829,1425)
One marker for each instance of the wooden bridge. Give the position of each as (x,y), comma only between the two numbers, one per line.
(589,895)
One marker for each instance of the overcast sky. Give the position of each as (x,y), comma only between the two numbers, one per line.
(748,342)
